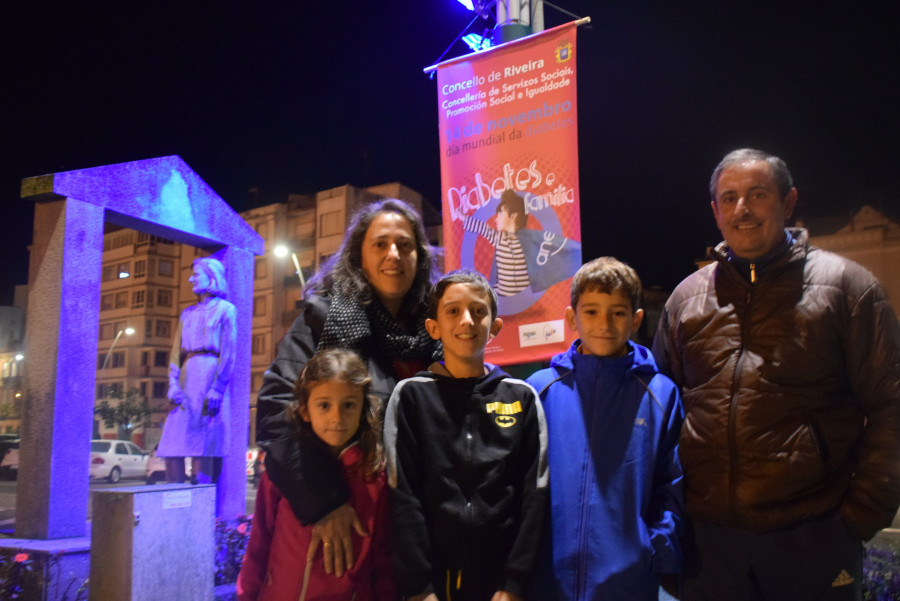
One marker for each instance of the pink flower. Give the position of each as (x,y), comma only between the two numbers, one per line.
(242,528)
(20,557)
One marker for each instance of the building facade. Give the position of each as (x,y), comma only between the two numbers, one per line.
(144,288)
(872,240)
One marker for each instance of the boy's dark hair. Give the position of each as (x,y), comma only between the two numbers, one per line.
(345,366)
(461,276)
(514,204)
(607,274)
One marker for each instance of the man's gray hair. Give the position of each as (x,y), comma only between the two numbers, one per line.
(779,168)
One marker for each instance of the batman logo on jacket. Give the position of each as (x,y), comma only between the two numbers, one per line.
(505,421)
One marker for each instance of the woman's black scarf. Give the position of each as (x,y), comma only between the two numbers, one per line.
(349,325)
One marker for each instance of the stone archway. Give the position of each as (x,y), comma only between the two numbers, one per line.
(161,196)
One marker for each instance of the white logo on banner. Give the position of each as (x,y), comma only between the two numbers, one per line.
(542,332)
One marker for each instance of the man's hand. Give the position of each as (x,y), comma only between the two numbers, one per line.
(426,597)
(213,402)
(504,596)
(333,531)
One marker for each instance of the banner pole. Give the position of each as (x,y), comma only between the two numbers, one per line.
(430,69)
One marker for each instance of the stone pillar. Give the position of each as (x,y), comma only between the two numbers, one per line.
(231,489)
(61,349)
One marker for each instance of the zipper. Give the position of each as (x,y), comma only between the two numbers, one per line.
(732,412)
(581,567)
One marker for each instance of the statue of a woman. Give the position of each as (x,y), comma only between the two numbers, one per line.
(199,372)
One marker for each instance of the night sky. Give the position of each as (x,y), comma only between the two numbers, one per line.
(302,96)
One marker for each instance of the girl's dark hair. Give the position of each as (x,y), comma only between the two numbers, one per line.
(344,268)
(344,366)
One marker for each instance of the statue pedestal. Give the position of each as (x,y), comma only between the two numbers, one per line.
(151,543)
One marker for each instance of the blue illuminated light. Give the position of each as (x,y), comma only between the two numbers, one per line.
(476,42)
(467,4)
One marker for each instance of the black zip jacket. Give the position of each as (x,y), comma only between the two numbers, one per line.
(467,467)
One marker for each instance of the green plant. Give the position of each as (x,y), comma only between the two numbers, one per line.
(21,577)
(24,576)
(124,411)
(231,541)
(881,574)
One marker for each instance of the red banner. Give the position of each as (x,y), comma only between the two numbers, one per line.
(509,176)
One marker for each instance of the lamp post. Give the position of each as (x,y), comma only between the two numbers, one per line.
(282,251)
(126,331)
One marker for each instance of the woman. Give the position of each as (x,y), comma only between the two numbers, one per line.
(370,298)
(199,372)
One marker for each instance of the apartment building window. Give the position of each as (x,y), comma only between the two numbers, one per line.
(143,389)
(159,390)
(106,331)
(145,359)
(109,389)
(137,299)
(123,270)
(140,268)
(106,302)
(109,273)
(163,328)
(121,300)
(259,306)
(166,267)
(259,344)
(164,298)
(330,224)
(117,359)
(261,269)
(160,359)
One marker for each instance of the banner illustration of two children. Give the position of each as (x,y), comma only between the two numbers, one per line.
(509,177)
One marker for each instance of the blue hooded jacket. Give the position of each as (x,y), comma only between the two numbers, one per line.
(615,479)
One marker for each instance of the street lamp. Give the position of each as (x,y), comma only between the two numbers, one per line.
(127,332)
(282,251)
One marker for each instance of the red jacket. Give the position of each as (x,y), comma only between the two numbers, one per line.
(274,563)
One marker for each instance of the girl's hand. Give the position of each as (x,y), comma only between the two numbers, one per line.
(428,597)
(505,596)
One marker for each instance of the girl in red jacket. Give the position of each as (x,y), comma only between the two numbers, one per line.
(333,407)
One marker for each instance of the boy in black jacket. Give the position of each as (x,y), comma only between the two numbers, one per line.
(466,447)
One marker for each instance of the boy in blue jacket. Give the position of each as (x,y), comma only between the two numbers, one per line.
(613,424)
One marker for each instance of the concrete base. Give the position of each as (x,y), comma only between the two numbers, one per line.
(65,561)
(152,543)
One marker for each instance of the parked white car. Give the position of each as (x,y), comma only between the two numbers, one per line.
(9,451)
(156,468)
(117,459)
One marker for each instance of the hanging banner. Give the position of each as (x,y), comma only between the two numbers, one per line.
(509,176)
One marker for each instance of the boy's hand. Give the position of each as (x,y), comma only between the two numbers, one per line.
(333,531)
(504,596)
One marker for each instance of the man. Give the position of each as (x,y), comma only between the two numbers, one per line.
(789,359)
